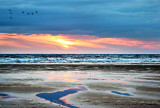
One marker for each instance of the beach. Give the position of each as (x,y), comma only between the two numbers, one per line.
(80,54)
(82,85)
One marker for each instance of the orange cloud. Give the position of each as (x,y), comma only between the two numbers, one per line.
(72,42)
(11,43)
(128,42)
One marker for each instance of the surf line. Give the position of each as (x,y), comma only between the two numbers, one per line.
(57,97)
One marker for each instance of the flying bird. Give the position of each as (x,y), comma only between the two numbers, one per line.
(29,13)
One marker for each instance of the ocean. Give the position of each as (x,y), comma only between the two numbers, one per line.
(81,58)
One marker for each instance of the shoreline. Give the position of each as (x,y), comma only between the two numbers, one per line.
(111,67)
(87,63)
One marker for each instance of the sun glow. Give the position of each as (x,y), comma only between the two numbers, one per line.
(65,43)
(69,43)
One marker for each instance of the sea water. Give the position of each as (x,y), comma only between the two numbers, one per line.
(81,58)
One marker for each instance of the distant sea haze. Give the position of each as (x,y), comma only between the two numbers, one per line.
(80,58)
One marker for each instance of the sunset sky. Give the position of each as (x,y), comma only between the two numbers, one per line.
(80,26)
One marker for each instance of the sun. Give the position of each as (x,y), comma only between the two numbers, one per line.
(64,43)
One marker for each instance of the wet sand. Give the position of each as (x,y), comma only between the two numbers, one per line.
(108,85)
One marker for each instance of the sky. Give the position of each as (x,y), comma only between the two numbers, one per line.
(80,26)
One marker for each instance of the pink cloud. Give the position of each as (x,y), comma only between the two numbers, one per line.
(72,42)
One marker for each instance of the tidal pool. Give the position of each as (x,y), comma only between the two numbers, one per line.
(3,95)
(58,97)
(120,93)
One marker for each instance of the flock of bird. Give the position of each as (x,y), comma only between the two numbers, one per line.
(28,13)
